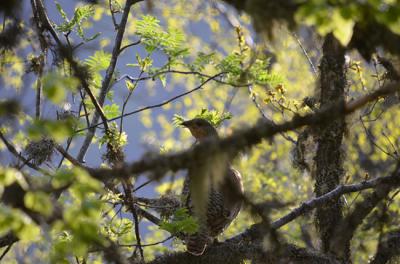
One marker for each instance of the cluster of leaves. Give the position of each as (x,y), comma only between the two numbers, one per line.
(181,222)
(79,228)
(214,117)
(58,130)
(56,86)
(339,17)
(115,140)
(81,14)
(87,219)
(97,63)
(171,42)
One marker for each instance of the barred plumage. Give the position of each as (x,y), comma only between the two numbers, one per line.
(224,200)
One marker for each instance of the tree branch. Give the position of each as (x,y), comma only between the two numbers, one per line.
(13,151)
(156,105)
(238,141)
(388,248)
(393,180)
(348,225)
(233,253)
(107,79)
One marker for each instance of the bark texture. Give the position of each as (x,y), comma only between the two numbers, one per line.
(329,156)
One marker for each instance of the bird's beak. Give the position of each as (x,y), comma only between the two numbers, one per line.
(186,123)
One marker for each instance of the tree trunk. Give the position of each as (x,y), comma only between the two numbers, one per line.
(329,157)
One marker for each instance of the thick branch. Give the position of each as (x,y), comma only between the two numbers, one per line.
(236,253)
(239,141)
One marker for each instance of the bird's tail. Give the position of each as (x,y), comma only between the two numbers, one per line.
(196,244)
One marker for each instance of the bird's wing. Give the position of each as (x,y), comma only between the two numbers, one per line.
(224,201)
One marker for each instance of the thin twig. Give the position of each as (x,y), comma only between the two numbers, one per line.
(84,107)
(129,203)
(152,77)
(126,102)
(12,149)
(372,141)
(129,45)
(6,251)
(264,115)
(155,105)
(112,15)
(142,185)
(305,53)
(108,77)
(305,207)
(334,194)
(147,245)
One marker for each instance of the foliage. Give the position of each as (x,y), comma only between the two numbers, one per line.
(163,76)
(213,116)
(181,222)
(81,14)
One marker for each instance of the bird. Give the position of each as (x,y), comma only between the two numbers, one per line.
(224,199)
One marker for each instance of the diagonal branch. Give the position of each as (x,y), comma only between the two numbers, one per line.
(40,12)
(240,140)
(309,205)
(388,248)
(108,77)
(12,149)
(157,105)
(348,225)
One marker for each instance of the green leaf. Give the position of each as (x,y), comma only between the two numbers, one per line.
(202,60)
(39,202)
(99,61)
(114,137)
(61,11)
(62,178)
(214,117)
(343,28)
(130,86)
(112,111)
(18,222)
(153,37)
(81,14)
(181,222)
(85,183)
(163,79)
(55,129)
(231,64)
(55,86)
(7,176)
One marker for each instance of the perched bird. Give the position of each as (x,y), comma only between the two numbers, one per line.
(224,199)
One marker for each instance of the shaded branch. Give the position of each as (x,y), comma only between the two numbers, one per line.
(393,180)
(238,141)
(388,248)
(13,151)
(233,253)
(353,220)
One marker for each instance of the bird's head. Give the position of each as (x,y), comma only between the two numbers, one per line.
(200,128)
